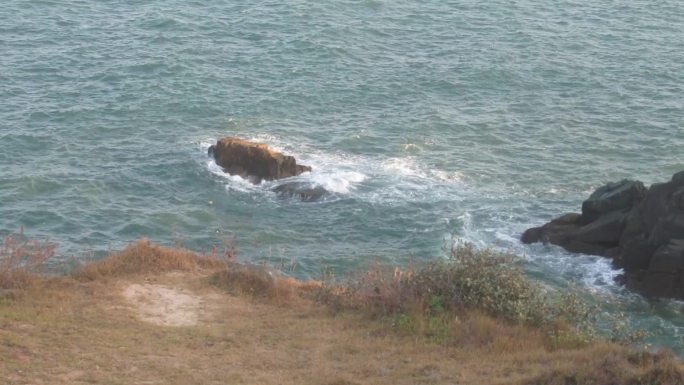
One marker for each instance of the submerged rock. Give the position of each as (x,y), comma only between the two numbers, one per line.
(254,161)
(301,190)
(641,229)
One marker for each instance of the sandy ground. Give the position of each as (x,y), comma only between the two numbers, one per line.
(162,305)
(171,300)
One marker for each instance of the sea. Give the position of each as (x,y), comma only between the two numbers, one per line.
(427,122)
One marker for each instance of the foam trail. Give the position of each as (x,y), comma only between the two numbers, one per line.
(341,182)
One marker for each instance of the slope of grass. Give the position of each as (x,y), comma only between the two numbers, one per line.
(433,324)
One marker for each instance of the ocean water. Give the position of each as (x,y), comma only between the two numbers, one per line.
(426,121)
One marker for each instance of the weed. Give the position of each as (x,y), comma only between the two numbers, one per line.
(621,333)
(21,258)
(228,252)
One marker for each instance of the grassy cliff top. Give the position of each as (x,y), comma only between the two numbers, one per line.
(156,315)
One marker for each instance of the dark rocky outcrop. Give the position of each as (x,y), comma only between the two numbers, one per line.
(641,229)
(254,161)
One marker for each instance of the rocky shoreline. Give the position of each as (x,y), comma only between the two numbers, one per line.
(641,229)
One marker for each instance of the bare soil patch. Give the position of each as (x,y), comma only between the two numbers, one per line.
(163,305)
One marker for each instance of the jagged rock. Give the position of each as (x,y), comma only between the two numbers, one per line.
(554,231)
(577,246)
(606,230)
(665,272)
(668,258)
(568,232)
(655,206)
(635,254)
(254,161)
(634,226)
(641,229)
(670,226)
(611,197)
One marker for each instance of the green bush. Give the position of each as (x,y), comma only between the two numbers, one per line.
(484,281)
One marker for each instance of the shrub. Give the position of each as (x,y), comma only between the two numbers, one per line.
(21,258)
(468,279)
(483,281)
(379,290)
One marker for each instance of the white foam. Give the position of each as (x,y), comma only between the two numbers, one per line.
(593,273)
(270,140)
(405,166)
(236,182)
(446,176)
(408,167)
(341,182)
(336,173)
(598,274)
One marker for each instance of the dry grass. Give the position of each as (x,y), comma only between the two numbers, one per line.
(428,298)
(261,282)
(21,258)
(75,332)
(255,326)
(609,365)
(144,257)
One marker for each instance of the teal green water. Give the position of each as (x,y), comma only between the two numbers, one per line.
(424,120)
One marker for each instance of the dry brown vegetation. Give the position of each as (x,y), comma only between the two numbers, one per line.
(253,326)
(20,260)
(262,282)
(144,257)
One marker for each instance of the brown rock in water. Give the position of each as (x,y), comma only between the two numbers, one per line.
(254,161)
(641,229)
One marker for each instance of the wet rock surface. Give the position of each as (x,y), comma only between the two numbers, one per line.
(304,191)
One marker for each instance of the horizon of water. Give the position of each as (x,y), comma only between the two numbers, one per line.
(426,122)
